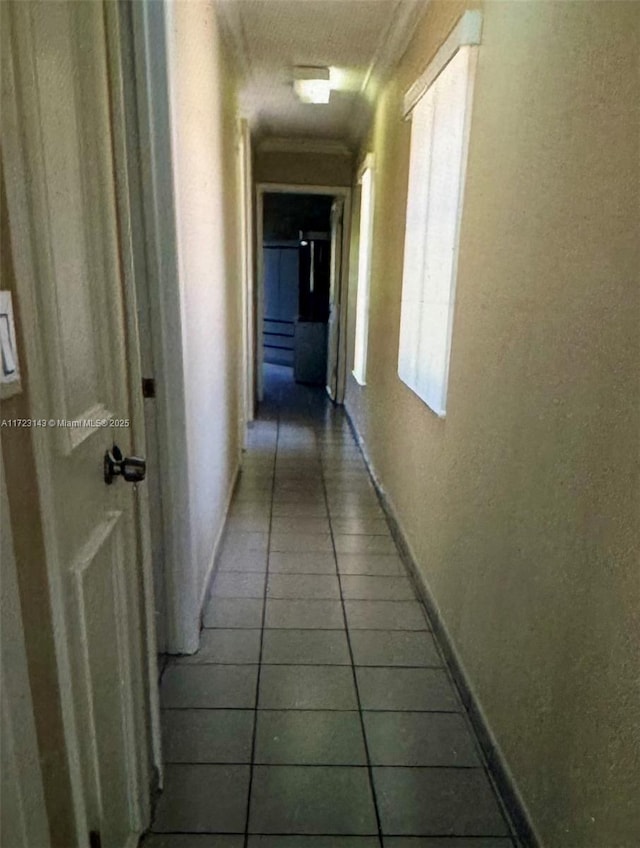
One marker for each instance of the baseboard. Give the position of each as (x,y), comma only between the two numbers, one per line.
(211,568)
(514,807)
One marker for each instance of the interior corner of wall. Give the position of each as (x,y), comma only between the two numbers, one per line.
(188,639)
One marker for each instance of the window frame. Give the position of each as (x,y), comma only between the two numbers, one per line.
(366,179)
(431,386)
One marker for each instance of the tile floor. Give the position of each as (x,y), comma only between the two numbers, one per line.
(318,712)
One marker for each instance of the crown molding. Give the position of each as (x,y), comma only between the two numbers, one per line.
(391,48)
(392,44)
(278,144)
(466,33)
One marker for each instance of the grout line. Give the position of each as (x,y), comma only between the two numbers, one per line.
(298,598)
(372,788)
(262,629)
(248,709)
(309,710)
(348,600)
(208,663)
(323,765)
(322,629)
(507,838)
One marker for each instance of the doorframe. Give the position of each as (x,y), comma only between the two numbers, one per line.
(159,294)
(30,253)
(337,223)
(126,226)
(344,192)
(245,181)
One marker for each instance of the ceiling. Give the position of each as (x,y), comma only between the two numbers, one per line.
(360,40)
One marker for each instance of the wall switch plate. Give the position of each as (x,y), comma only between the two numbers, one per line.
(9,363)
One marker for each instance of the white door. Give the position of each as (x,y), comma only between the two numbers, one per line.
(59,153)
(337,211)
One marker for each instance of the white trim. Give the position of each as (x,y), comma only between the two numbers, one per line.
(278,144)
(164,304)
(248,271)
(257,366)
(365,255)
(394,40)
(116,49)
(300,188)
(467,31)
(368,163)
(10,384)
(206,583)
(416,286)
(334,327)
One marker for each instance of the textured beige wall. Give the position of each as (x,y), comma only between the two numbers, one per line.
(522,507)
(207,206)
(302,168)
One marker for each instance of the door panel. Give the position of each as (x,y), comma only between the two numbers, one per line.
(68,259)
(101,624)
(70,302)
(81,318)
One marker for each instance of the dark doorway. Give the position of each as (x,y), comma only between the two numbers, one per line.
(297,265)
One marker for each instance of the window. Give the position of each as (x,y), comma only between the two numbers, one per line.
(440,107)
(364,272)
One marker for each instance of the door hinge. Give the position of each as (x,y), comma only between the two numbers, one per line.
(148,387)
(95,840)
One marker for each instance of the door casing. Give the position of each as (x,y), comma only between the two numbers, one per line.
(343,192)
(160,300)
(245,174)
(335,328)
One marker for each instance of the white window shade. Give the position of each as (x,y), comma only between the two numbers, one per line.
(364,275)
(439,132)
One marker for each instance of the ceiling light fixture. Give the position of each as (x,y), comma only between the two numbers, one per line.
(312,85)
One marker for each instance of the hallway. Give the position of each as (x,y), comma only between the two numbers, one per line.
(472,279)
(318,703)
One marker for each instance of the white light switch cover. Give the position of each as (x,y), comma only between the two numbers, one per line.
(9,365)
